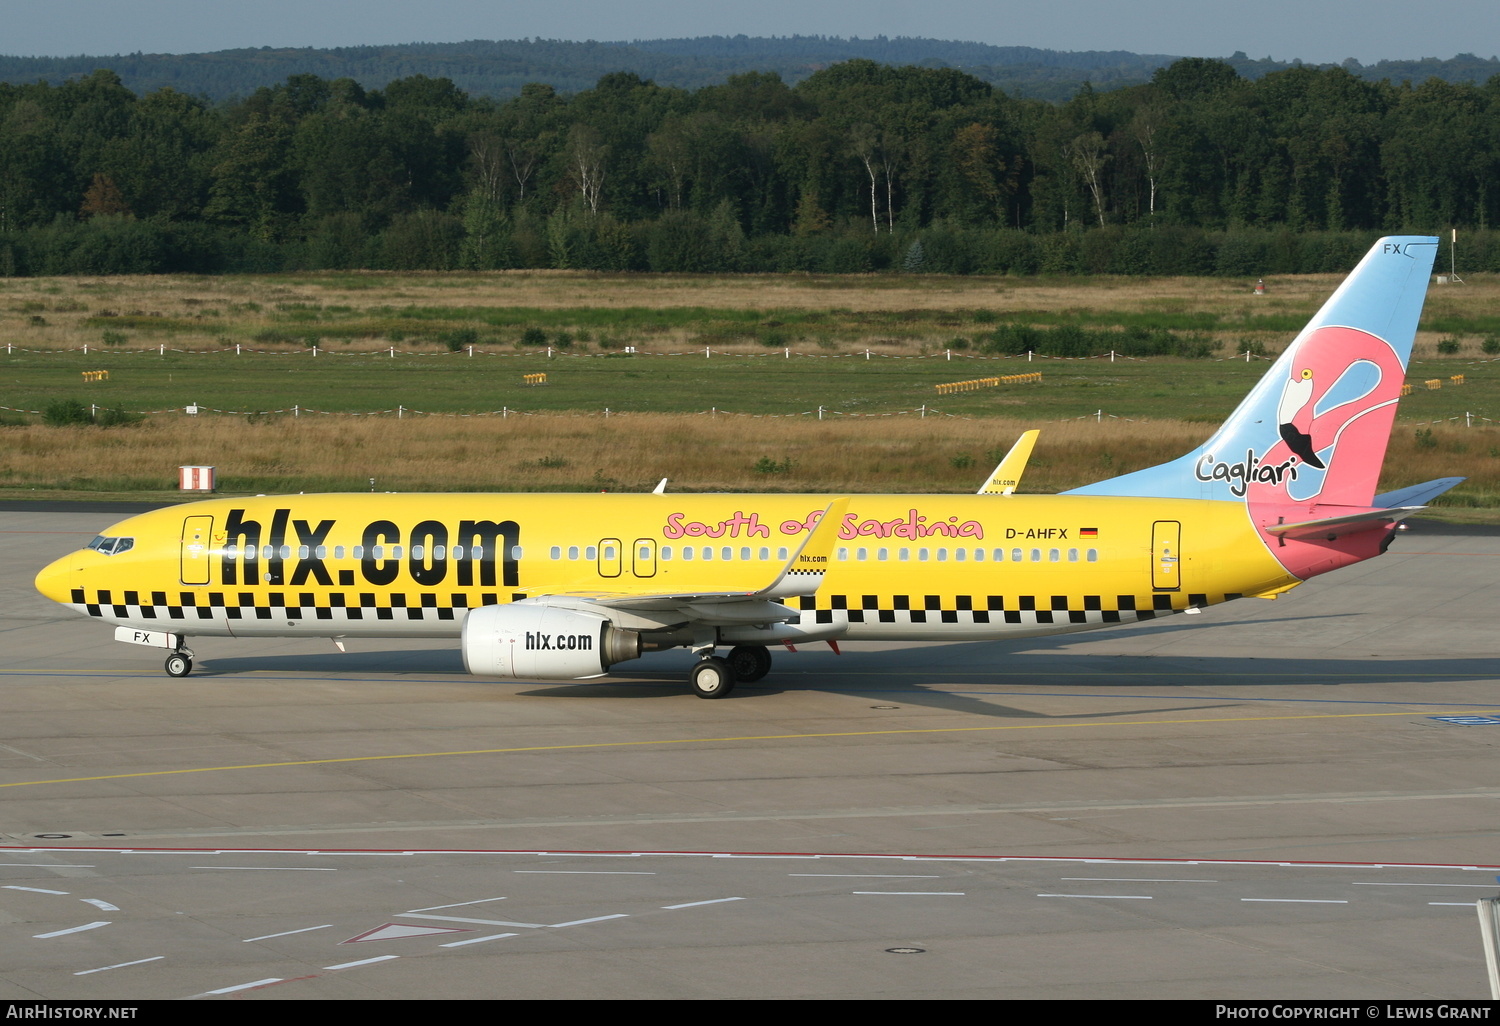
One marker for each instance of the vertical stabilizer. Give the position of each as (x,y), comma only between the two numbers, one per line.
(1315,428)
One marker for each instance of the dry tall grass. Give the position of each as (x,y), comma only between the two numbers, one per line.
(190,295)
(632,452)
(562,452)
(52,312)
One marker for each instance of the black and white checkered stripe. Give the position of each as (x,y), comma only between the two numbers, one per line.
(1016,610)
(179,610)
(221,606)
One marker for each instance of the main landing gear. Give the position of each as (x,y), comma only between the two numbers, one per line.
(749,662)
(713,677)
(180,663)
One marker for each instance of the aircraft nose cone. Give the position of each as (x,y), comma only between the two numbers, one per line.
(56,580)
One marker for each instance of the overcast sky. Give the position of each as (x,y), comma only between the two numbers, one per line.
(1313,30)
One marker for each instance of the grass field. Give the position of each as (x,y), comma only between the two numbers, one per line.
(1099,418)
(640,383)
(448,383)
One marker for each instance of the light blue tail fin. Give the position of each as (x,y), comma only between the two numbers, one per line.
(1315,428)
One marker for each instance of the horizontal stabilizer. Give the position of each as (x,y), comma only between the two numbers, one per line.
(1417,494)
(1329,528)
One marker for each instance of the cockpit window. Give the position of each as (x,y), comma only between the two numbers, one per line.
(111,546)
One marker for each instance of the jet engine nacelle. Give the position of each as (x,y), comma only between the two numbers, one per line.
(539,642)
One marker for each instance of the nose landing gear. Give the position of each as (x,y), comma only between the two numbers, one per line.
(180,663)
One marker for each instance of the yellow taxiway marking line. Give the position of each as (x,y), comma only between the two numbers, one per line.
(722,740)
(261,677)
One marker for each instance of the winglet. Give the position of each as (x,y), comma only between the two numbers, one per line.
(803,573)
(1008,474)
(661,487)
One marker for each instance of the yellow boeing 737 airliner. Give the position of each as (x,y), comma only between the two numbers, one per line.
(546,587)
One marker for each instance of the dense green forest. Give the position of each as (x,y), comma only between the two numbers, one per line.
(499,69)
(859,166)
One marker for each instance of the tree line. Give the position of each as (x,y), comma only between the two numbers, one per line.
(500,68)
(860,166)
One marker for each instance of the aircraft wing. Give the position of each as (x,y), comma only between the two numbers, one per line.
(800,575)
(715,610)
